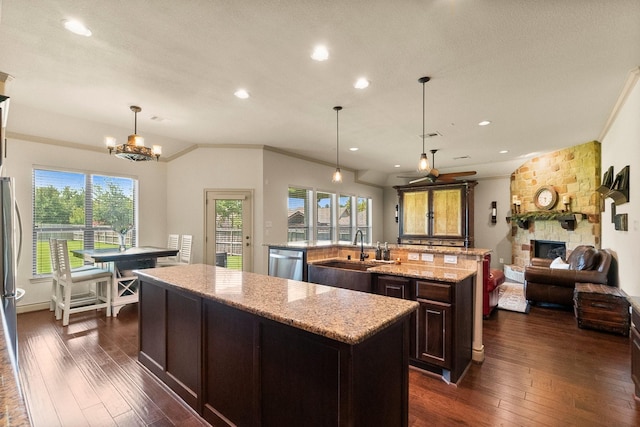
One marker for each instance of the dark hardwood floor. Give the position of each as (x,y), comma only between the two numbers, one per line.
(540,369)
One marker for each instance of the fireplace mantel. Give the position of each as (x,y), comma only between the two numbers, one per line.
(567,220)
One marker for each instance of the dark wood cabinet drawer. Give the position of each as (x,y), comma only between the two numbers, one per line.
(393,286)
(434,291)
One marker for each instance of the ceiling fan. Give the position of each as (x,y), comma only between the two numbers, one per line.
(434,175)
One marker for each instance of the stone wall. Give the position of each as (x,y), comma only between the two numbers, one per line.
(573,172)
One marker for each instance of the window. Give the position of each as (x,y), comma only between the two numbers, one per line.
(334,217)
(363,217)
(325,217)
(299,218)
(345,219)
(90,211)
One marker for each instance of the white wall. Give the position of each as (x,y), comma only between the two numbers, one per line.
(282,171)
(621,147)
(390,225)
(212,168)
(23,155)
(496,237)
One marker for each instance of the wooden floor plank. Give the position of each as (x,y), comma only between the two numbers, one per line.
(540,369)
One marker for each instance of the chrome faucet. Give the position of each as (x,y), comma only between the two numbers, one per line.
(355,242)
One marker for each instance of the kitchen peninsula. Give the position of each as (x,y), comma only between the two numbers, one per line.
(248,349)
(419,262)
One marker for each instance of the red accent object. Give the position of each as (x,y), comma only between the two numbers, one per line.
(492,279)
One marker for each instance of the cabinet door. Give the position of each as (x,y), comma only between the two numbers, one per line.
(447,212)
(415,210)
(635,350)
(434,333)
(392,286)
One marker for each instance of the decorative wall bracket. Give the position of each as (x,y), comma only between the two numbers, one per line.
(618,188)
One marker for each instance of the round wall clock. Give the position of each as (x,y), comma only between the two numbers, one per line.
(546,197)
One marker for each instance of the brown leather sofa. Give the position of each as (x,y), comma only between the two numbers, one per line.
(553,285)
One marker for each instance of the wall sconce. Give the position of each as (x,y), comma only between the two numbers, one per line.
(494,212)
(566,201)
(396,213)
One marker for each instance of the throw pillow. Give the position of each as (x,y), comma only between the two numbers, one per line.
(559,264)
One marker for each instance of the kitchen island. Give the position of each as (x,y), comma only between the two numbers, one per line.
(247,349)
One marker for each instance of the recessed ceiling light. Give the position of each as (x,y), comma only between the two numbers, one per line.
(396,166)
(503,151)
(320,53)
(242,94)
(361,83)
(76,27)
(484,123)
(353,149)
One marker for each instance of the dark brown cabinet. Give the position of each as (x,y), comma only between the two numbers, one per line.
(393,286)
(442,328)
(235,367)
(437,214)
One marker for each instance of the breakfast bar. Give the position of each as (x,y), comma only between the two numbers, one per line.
(248,349)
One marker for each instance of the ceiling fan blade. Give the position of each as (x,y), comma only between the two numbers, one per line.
(456,174)
(413,181)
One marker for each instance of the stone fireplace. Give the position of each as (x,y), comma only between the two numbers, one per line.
(574,173)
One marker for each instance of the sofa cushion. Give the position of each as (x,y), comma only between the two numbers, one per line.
(559,264)
(586,258)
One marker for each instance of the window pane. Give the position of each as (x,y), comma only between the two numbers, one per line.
(363,218)
(325,222)
(345,216)
(298,221)
(81,209)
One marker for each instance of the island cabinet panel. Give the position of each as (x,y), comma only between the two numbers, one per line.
(230,385)
(172,320)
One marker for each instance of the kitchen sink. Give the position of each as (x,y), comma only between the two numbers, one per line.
(341,274)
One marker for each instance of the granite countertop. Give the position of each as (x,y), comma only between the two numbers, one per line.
(339,314)
(414,248)
(13,411)
(416,271)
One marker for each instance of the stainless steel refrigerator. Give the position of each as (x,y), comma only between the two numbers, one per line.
(9,261)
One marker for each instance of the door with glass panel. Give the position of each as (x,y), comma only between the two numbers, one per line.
(229,226)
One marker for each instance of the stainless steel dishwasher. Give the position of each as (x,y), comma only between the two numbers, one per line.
(288,263)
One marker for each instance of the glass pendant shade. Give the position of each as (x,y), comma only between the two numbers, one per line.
(337,176)
(423,164)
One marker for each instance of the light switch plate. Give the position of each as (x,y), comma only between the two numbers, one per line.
(427,257)
(450,259)
(413,256)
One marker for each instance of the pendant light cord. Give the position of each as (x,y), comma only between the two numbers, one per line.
(423,116)
(337,109)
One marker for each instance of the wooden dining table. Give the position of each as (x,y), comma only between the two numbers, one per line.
(122,263)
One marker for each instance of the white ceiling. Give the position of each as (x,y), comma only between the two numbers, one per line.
(546,73)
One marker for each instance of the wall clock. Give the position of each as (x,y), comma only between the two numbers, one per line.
(546,197)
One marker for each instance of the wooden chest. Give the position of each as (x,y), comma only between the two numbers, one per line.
(601,307)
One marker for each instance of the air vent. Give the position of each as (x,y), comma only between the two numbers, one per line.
(461,157)
(430,134)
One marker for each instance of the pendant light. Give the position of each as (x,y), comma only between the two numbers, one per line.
(337,175)
(423,164)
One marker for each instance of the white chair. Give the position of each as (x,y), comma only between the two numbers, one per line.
(55,272)
(184,256)
(97,298)
(172,243)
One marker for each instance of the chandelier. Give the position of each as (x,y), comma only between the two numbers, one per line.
(134,149)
